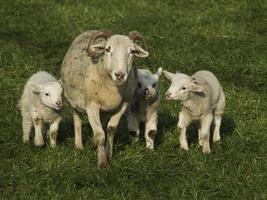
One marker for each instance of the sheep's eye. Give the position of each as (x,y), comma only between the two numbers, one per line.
(139,85)
(154,85)
(184,88)
(108,49)
(46,94)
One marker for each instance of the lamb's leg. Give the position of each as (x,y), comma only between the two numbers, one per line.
(112,127)
(151,128)
(26,126)
(184,121)
(200,142)
(218,117)
(78,130)
(216,133)
(38,138)
(133,125)
(53,132)
(93,113)
(205,132)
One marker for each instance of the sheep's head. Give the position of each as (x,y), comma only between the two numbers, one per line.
(147,85)
(181,87)
(50,93)
(118,52)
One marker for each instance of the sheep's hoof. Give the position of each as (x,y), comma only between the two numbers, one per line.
(79,147)
(26,141)
(39,143)
(185,149)
(150,148)
(216,140)
(134,138)
(102,164)
(206,151)
(53,145)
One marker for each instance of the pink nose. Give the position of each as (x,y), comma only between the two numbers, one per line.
(168,94)
(59,103)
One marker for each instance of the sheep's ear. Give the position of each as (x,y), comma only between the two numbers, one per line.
(140,52)
(168,75)
(158,73)
(36,88)
(196,88)
(99,47)
(60,82)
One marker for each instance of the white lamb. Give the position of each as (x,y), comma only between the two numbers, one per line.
(144,105)
(40,103)
(202,99)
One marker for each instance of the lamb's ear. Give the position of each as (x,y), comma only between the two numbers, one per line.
(168,75)
(36,88)
(60,82)
(99,47)
(140,52)
(196,88)
(158,73)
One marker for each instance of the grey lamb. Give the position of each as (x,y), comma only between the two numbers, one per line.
(143,107)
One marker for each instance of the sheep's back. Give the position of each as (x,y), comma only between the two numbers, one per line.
(211,83)
(41,77)
(73,70)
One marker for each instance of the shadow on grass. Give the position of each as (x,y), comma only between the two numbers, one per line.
(166,122)
(66,130)
(227,127)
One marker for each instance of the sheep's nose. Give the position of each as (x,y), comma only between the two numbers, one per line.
(59,103)
(146,91)
(119,75)
(168,95)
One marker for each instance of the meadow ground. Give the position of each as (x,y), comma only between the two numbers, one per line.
(227,37)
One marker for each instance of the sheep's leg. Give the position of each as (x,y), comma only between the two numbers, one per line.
(184,121)
(205,132)
(38,138)
(151,128)
(112,127)
(53,132)
(216,134)
(200,142)
(26,126)
(93,113)
(78,130)
(218,117)
(133,126)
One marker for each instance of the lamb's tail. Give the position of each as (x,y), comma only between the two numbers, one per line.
(18,106)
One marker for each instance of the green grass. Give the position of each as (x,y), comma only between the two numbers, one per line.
(227,37)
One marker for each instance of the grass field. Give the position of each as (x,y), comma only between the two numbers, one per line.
(227,37)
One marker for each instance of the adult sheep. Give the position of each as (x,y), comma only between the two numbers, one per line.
(97,75)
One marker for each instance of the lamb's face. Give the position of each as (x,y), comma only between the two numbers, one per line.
(179,89)
(147,85)
(51,94)
(181,86)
